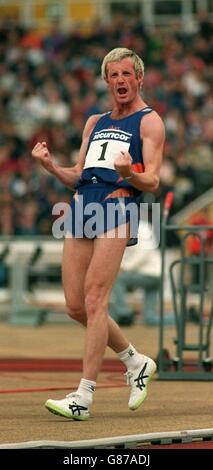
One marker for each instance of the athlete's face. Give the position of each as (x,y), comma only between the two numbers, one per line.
(122,81)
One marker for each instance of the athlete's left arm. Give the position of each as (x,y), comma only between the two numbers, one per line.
(153,137)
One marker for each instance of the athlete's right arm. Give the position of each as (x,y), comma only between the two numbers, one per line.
(68,176)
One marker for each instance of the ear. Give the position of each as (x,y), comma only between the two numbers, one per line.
(140,80)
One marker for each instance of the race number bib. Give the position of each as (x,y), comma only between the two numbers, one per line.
(105,147)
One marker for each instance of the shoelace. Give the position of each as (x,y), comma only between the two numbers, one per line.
(73,395)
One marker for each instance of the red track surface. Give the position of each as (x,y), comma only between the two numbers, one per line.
(55,365)
(18,365)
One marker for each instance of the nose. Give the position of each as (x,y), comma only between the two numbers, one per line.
(120,78)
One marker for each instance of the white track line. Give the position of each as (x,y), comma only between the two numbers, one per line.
(113,442)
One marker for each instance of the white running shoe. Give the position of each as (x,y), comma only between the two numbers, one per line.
(72,407)
(138,379)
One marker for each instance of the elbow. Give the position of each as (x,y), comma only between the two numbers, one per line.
(155,185)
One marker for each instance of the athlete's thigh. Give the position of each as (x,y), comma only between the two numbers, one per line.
(77,255)
(105,262)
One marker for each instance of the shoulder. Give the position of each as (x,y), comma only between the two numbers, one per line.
(90,124)
(152,124)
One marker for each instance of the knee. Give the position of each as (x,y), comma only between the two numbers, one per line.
(76,311)
(95,300)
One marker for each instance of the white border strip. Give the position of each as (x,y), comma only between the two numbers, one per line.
(112,442)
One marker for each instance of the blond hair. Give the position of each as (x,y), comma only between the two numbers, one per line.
(118,54)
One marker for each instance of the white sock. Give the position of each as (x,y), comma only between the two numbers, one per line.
(130,357)
(86,389)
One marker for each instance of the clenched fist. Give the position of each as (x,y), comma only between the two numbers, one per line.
(123,164)
(41,153)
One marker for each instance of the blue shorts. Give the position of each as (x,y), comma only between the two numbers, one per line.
(99,208)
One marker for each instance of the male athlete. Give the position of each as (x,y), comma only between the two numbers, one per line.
(119,158)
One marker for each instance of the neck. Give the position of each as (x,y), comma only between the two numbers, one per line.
(124,109)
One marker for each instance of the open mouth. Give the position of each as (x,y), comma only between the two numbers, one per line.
(122,91)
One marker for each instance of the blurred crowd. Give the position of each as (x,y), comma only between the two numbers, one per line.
(50,85)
